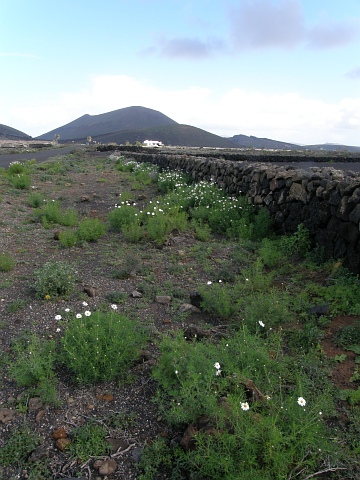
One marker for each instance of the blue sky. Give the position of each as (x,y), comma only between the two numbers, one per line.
(282,69)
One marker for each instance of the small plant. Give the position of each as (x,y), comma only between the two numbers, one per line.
(68,238)
(297,244)
(35,200)
(201,229)
(16,305)
(101,346)
(348,335)
(91,229)
(116,297)
(122,216)
(34,367)
(54,280)
(18,447)
(20,181)
(88,441)
(16,168)
(7,262)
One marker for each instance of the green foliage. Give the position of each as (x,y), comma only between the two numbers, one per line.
(220,299)
(88,440)
(34,366)
(68,238)
(201,229)
(16,168)
(20,181)
(91,229)
(272,309)
(266,437)
(55,279)
(51,213)
(348,335)
(352,396)
(7,262)
(297,244)
(122,216)
(101,346)
(18,447)
(169,180)
(35,200)
(270,253)
(16,305)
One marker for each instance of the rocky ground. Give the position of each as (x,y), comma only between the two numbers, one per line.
(170,273)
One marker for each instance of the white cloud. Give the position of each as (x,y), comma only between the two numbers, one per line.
(281,116)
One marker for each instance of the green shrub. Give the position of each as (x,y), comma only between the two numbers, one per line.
(35,200)
(88,441)
(122,215)
(16,168)
(20,181)
(201,229)
(270,253)
(68,238)
(34,367)
(7,262)
(297,244)
(348,335)
(101,346)
(251,435)
(21,443)
(54,280)
(51,213)
(91,229)
(133,232)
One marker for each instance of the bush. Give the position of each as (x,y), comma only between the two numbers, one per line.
(16,168)
(91,229)
(34,367)
(101,346)
(121,216)
(18,447)
(68,238)
(257,428)
(54,280)
(36,200)
(20,181)
(88,441)
(7,262)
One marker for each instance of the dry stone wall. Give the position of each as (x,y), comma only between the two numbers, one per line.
(325,200)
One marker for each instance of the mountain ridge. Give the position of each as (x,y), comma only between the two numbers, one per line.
(136,124)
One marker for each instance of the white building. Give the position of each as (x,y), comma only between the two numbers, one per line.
(153,143)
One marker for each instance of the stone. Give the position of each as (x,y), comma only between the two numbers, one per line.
(35,404)
(187,307)
(62,443)
(163,299)
(39,416)
(90,291)
(106,467)
(6,414)
(136,294)
(117,444)
(59,433)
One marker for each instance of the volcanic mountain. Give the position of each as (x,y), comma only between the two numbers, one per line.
(9,133)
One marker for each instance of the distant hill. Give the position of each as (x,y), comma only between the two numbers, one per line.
(130,118)
(9,133)
(182,135)
(332,147)
(243,141)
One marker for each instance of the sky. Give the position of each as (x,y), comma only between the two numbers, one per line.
(287,70)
